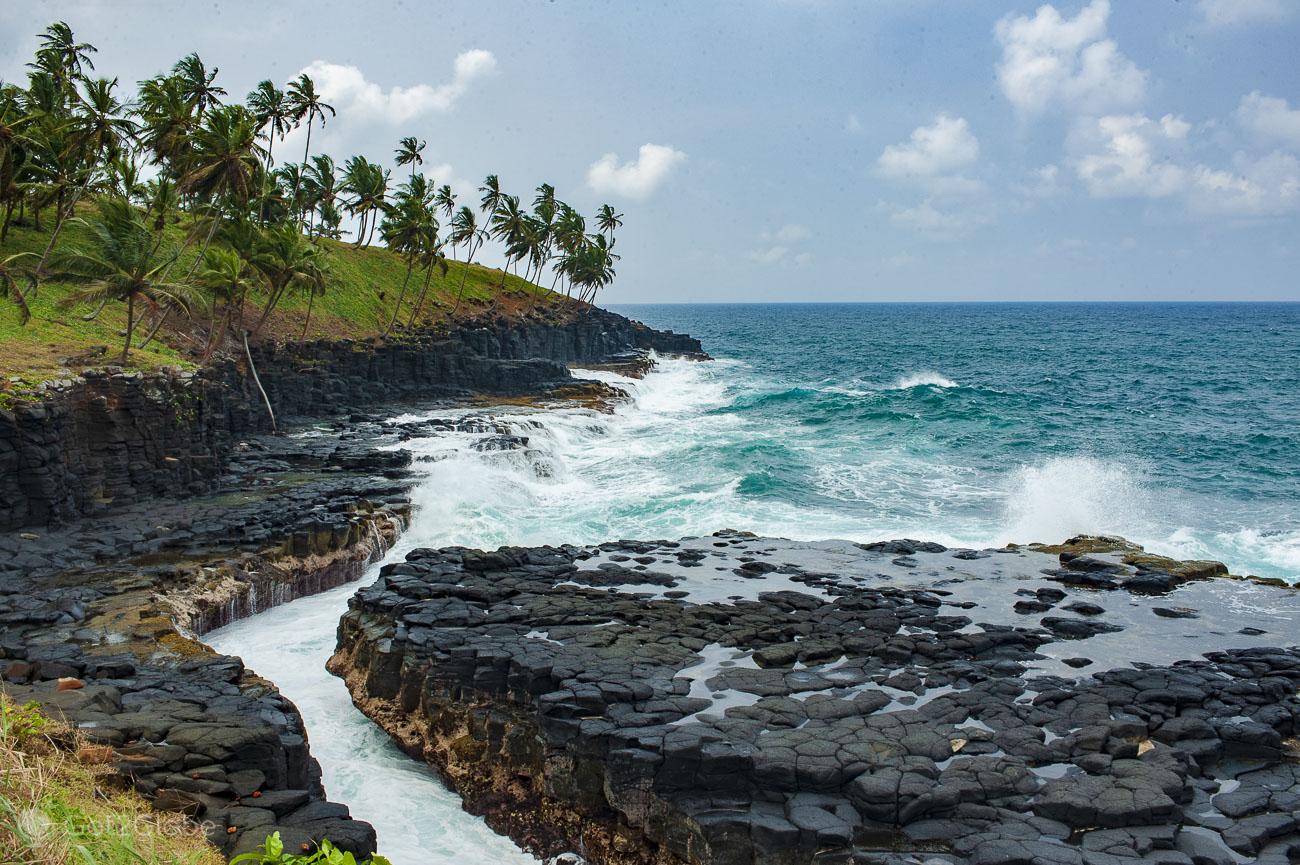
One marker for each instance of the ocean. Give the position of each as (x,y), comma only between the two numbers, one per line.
(970,424)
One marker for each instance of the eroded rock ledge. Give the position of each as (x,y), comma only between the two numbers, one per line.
(730,700)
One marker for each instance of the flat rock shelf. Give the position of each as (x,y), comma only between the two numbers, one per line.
(731,699)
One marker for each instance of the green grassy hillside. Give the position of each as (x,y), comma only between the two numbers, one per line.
(360,301)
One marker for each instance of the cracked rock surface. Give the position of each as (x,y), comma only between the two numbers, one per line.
(734,699)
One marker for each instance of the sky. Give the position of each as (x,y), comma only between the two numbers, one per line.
(808,150)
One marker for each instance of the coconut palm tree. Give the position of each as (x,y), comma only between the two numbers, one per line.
(306,106)
(320,189)
(118,261)
(273,115)
(464,232)
(224,279)
(60,54)
(288,260)
(508,227)
(9,290)
(403,231)
(167,119)
(430,255)
(445,200)
(367,182)
(197,83)
(607,220)
(491,198)
(409,152)
(225,165)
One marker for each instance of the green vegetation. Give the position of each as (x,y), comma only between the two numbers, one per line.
(273,853)
(158,229)
(60,804)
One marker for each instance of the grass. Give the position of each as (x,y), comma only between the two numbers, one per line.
(61,805)
(358,304)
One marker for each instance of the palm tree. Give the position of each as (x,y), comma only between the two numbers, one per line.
(168,120)
(445,200)
(368,183)
(273,114)
(491,198)
(9,290)
(607,220)
(320,189)
(196,83)
(409,153)
(403,230)
(508,227)
(118,262)
(62,55)
(226,162)
(306,106)
(569,233)
(464,232)
(225,278)
(288,260)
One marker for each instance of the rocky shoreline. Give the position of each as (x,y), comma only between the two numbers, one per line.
(107,439)
(733,699)
(101,617)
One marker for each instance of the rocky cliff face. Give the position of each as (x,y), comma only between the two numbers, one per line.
(733,700)
(108,439)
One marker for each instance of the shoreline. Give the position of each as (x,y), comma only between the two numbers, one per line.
(294,559)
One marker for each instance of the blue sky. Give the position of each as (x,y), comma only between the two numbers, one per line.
(812,149)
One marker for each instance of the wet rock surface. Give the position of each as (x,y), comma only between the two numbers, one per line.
(732,699)
(96,623)
(108,439)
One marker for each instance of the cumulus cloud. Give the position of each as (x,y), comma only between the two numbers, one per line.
(1233,13)
(939,222)
(1053,62)
(942,147)
(778,245)
(637,178)
(1264,186)
(348,90)
(1135,156)
(1269,118)
(1130,155)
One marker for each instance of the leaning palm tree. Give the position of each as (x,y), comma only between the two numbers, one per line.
(403,231)
(118,261)
(409,152)
(508,226)
(226,162)
(491,199)
(288,260)
(430,254)
(306,106)
(367,182)
(464,232)
(273,113)
(225,279)
(9,289)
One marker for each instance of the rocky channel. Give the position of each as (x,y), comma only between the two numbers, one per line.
(154,510)
(731,699)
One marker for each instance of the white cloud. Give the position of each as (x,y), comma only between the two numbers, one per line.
(636,179)
(779,243)
(1232,13)
(1133,155)
(1130,155)
(1266,186)
(1269,118)
(927,219)
(945,145)
(347,89)
(1052,62)
(1044,182)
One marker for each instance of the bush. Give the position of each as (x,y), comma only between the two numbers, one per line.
(272,853)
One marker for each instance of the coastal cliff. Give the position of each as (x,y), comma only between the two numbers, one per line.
(107,438)
(731,699)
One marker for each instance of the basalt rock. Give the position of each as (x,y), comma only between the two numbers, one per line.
(734,699)
(108,439)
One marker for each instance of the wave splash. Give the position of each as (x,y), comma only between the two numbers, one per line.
(919,379)
(1064,496)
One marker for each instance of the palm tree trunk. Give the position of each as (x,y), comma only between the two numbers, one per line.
(460,293)
(166,311)
(311,299)
(306,150)
(130,326)
(428,277)
(261,206)
(216,220)
(252,367)
(410,263)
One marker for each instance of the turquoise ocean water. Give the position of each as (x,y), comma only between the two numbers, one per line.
(1177,425)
